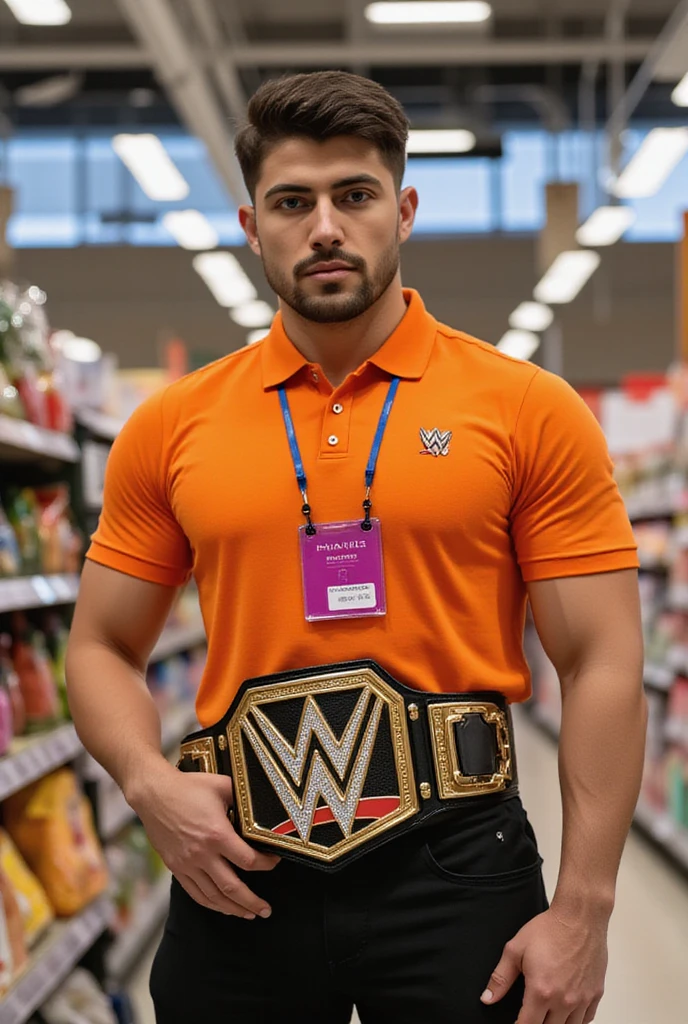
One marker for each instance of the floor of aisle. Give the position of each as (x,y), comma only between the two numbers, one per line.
(646,983)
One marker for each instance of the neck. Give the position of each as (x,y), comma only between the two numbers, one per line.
(341,348)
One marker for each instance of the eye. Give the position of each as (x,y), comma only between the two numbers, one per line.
(358,197)
(290,199)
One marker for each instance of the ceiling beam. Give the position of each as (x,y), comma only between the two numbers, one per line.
(184,77)
(224,70)
(420,52)
(416,53)
(78,58)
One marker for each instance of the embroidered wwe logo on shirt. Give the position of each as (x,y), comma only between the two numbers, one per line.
(436,442)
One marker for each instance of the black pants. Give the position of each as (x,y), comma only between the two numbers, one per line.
(410,934)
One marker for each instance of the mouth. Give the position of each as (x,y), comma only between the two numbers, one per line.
(336,272)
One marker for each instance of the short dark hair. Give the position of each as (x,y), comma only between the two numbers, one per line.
(321,105)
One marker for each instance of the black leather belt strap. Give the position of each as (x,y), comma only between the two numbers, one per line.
(331,762)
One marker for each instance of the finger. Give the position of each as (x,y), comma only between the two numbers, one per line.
(578,1016)
(234,849)
(202,895)
(534,1010)
(230,887)
(592,1012)
(503,977)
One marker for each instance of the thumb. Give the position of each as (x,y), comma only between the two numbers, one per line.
(223,787)
(503,977)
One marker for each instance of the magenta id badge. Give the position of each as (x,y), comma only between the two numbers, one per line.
(343,574)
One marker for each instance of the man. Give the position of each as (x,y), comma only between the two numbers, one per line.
(364,612)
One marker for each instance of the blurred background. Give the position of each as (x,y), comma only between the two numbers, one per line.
(548,146)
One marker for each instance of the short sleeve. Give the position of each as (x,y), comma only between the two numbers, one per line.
(567,517)
(137,533)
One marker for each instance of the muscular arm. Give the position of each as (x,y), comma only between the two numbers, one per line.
(116,624)
(591,630)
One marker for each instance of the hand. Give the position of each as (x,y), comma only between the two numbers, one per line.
(564,962)
(185,817)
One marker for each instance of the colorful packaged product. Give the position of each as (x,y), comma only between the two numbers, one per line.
(36,912)
(10,680)
(32,665)
(52,824)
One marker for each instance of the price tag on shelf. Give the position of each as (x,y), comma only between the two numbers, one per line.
(43,590)
(63,588)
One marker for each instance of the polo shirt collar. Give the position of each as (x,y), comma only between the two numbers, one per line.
(405,354)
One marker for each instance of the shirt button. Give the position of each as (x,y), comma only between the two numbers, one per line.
(337,408)
(333,440)
(316,378)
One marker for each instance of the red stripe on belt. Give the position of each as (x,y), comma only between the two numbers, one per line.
(372,807)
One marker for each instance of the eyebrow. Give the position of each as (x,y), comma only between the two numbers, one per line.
(356,179)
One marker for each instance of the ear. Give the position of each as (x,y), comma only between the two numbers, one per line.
(408,204)
(247,219)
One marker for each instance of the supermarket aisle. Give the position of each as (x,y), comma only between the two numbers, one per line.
(649,932)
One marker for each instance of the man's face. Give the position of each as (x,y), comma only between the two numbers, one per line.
(328,225)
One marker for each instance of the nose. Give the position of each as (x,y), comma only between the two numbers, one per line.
(326,231)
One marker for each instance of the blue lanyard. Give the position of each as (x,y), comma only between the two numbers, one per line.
(372,461)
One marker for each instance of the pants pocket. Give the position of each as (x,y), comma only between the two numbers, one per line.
(485,847)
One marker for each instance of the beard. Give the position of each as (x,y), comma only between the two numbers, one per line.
(334,304)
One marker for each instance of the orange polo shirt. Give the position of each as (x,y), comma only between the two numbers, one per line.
(201,482)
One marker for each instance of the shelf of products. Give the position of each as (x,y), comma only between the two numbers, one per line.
(25,592)
(32,757)
(148,916)
(176,639)
(114,812)
(22,441)
(655,487)
(99,423)
(664,831)
(52,960)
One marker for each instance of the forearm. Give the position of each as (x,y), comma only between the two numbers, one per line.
(115,715)
(601,757)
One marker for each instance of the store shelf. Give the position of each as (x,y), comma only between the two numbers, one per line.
(547,720)
(659,677)
(677,598)
(114,813)
(21,442)
(176,639)
(31,758)
(664,831)
(37,591)
(148,918)
(53,960)
(99,423)
(676,732)
(649,563)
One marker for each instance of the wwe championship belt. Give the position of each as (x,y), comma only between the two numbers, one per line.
(329,763)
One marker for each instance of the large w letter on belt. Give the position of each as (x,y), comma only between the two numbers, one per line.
(322,765)
(342,805)
(333,761)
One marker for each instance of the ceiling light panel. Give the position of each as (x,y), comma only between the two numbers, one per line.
(226,279)
(519,344)
(191,229)
(253,336)
(531,316)
(567,276)
(40,12)
(659,155)
(150,164)
(429,12)
(606,226)
(253,314)
(680,93)
(453,140)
